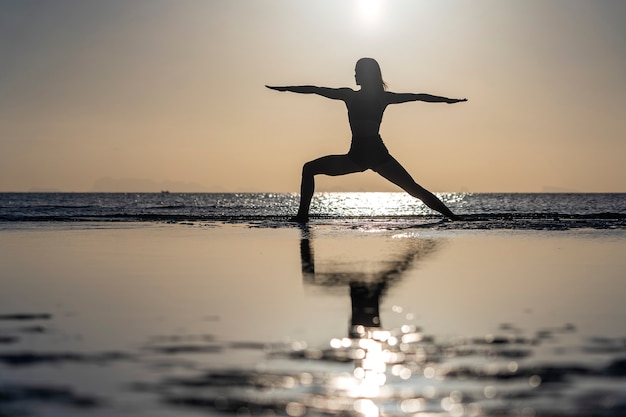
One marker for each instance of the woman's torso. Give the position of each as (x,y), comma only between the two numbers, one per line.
(365,112)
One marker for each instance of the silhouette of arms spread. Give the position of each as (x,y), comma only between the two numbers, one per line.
(395,98)
(332,93)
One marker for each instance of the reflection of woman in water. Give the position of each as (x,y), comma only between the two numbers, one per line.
(368,283)
(365,113)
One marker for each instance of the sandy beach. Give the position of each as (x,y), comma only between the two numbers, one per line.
(197,319)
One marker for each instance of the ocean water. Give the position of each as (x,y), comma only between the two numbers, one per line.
(191,305)
(480,211)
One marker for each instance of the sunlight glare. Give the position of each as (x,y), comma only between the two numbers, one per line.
(369,10)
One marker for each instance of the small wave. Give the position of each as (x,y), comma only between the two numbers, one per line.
(390,210)
(484,221)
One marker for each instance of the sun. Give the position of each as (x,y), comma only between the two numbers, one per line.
(369,10)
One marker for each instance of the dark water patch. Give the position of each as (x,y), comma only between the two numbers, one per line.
(13,333)
(605,345)
(186,348)
(173,345)
(236,378)
(534,375)
(491,222)
(237,391)
(617,368)
(7,340)
(250,346)
(183,344)
(27,358)
(25,316)
(538,221)
(16,395)
(182,338)
(32,329)
(498,221)
(503,340)
(550,333)
(239,406)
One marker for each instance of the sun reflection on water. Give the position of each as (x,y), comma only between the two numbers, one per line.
(377,204)
(377,356)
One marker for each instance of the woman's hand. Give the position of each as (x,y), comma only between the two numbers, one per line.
(332,93)
(276,88)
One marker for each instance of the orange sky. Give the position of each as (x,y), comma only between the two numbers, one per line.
(170,94)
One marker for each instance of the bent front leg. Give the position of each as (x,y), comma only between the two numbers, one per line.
(328,165)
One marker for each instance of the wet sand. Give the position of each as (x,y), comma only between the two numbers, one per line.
(164,320)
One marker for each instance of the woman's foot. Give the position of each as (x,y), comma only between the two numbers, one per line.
(299,219)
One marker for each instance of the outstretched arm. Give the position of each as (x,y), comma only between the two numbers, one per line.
(395,98)
(332,93)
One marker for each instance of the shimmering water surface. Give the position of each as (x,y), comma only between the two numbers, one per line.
(381,315)
(484,211)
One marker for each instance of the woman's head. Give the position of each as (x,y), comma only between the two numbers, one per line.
(367,74)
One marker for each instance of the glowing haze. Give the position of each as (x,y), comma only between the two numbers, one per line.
(115,95)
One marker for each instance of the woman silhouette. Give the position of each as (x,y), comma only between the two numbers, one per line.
(367,151)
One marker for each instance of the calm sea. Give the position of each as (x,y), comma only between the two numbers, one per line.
(480,211)
(107,316)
